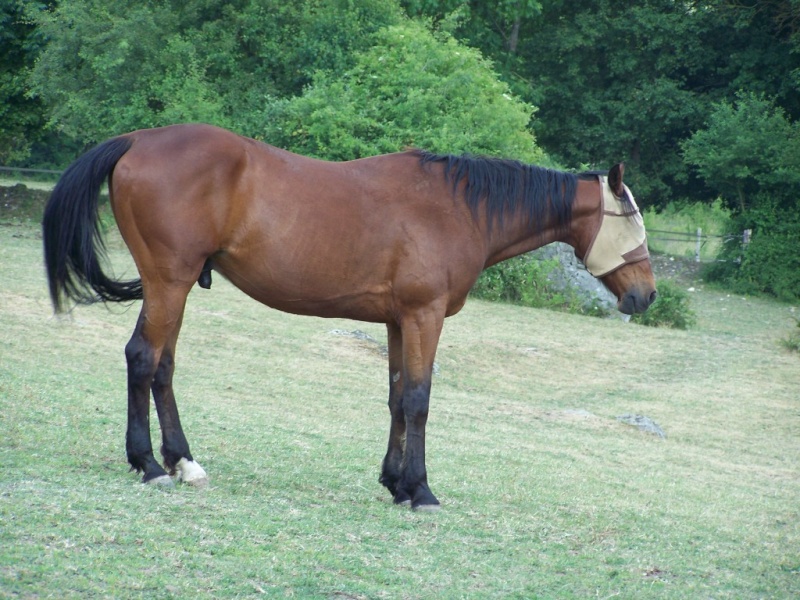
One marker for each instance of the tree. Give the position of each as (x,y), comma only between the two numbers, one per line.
(110,67)
(749,152)
(628,81)
(21,118)
(748,148)
(410,88)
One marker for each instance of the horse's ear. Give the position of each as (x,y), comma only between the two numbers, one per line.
(615,179)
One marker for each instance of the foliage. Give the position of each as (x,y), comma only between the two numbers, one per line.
(519,280)
(747,147)
(792,341)
(670,309)
(750,153)
(410,88)
(770,261)
(529,281)
(629,84)
(114,67)
(21,118)
(685,218)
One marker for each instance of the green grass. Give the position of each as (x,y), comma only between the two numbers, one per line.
(673,229)
(545,494)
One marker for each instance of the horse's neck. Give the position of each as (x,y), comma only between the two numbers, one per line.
(516,236)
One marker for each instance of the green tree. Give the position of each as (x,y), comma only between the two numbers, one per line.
(410,88)
(628,81)
(21,118)
(115,66)
(748,149)
(749,152)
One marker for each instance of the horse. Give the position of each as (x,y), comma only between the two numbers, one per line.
(398,239)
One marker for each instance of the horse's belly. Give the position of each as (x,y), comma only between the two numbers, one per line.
(324,294)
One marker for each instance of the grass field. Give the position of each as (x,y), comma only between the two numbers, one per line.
(545,493)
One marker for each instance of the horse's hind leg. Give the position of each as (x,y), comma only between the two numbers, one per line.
(142,363)
(150,355)
(174,447)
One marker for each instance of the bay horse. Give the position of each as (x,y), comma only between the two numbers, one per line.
(397,239)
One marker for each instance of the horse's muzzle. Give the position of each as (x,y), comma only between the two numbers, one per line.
(636,301)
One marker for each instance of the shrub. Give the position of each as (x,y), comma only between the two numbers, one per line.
(413,87)
(769,263)
(671,308)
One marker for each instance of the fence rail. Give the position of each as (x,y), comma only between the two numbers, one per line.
(25,170)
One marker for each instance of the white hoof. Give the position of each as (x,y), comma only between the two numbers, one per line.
(192,473)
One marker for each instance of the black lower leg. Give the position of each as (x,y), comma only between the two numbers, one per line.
(174,446)
(392,462)
(139,447)
(414,477)
(391,468)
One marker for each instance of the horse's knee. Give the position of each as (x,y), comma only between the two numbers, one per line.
(415,404)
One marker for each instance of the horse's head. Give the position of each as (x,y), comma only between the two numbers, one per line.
(614,245)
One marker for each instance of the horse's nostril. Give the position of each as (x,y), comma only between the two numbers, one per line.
(653,295)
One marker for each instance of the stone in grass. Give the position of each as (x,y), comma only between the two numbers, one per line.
(643,423)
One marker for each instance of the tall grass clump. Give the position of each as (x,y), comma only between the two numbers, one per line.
(792,341)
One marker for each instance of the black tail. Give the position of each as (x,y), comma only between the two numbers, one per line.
(73,244)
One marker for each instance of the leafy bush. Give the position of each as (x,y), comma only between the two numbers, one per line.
(749,152)
(671,308)
(519,280)
(770,262)
(413,87)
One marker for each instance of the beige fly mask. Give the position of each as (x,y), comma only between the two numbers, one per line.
(620,239)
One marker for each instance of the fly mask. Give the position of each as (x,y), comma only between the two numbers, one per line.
(620,239)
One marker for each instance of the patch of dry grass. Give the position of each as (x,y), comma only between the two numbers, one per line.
(545,493)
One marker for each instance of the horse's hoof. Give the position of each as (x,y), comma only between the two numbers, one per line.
(162,481)
(191,473)
(429,508)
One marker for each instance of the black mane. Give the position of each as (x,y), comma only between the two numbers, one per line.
(509,187)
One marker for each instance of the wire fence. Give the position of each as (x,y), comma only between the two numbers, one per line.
(704,246)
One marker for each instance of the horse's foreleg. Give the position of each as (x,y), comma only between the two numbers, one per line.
(420,334)
(390,473)
(174,447)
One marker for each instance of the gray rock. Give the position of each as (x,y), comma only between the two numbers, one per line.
(571,276)
(642,423)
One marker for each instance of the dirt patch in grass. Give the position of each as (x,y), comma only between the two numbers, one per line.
(682,270)
(21,203)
